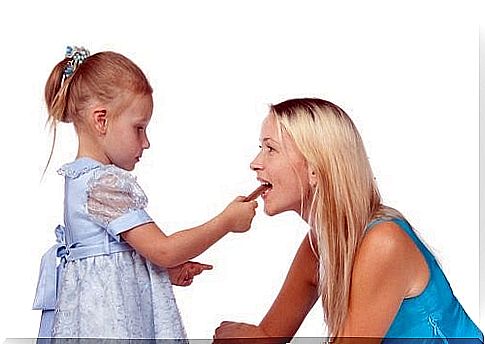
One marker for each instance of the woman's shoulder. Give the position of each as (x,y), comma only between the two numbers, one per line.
(386,239)
(388,249)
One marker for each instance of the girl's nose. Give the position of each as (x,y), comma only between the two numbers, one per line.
(146,143)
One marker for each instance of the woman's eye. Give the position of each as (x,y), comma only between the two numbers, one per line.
(269,149)
(266,148)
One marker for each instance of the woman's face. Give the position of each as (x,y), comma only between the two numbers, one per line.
(281,165)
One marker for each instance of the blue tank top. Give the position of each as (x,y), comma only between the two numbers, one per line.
(435,313)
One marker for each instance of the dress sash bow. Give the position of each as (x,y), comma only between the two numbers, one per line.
(46,294)
(50,271)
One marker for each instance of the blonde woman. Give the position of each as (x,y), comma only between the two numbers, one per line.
(361,258)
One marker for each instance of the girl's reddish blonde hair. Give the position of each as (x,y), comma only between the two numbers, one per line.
(103,77)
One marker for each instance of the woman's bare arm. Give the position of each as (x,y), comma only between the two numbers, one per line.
(388,268)
(295,299)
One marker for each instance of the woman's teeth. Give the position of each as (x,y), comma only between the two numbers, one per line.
(267,186)
(262,189)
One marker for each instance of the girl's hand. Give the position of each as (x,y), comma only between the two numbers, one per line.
(235,332)
(239,214)
(183,274)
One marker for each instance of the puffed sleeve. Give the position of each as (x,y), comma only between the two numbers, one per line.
(116,201)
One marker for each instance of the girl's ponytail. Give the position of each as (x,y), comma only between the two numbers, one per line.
(57,88)
(56,92)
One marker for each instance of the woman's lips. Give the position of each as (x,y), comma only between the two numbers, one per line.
(265,192)
(260,191)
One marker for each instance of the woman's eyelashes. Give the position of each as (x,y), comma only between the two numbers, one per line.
(267,148)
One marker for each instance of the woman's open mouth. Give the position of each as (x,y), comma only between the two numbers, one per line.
(267,188)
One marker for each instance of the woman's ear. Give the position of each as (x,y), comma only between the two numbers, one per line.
(100,120)
(312,177)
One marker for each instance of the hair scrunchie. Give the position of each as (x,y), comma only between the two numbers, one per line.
(76,56)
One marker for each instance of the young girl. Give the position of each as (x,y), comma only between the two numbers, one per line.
(116,269)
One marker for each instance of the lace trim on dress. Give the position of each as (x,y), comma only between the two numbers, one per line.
(111,193)
(78,167)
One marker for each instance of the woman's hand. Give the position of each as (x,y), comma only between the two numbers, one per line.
(230,332)
(183,274)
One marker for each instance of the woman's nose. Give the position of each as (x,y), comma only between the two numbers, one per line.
(256,164)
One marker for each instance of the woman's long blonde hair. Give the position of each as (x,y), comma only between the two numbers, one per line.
(346,197)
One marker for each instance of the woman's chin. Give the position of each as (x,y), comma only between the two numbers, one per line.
(268,210)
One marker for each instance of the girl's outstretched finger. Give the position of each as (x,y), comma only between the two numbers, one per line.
(197,268)
(206,266)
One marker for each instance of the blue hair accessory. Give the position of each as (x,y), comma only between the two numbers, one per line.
(76,56)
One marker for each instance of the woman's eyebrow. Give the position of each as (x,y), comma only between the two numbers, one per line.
(269,139)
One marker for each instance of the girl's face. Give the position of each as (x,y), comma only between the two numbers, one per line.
(281,164)
(126,136)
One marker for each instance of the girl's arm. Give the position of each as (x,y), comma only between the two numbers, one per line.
(388,268)
(175,249)
(295,299)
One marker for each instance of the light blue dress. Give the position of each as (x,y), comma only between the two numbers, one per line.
(102,288)
(435,315)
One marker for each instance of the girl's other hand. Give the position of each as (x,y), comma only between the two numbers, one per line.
(239,214)
(183,274)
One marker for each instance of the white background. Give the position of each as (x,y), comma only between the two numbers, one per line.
(407,73)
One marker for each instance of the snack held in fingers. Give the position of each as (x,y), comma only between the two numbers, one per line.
(256,193)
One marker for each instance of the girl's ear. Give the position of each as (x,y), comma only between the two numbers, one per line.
(100,120)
